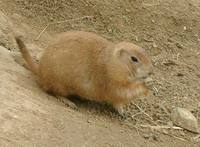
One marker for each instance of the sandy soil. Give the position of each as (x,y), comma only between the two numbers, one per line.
(169,30)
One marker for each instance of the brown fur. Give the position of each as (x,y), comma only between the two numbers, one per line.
(92,67)
(32,65)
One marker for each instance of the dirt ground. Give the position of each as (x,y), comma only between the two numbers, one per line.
(169,31)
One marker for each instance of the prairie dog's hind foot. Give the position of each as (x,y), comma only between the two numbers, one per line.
(119,108)
(67,102)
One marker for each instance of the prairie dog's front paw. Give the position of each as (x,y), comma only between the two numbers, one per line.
(139,88)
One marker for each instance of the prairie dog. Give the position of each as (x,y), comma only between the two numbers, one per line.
(86,64)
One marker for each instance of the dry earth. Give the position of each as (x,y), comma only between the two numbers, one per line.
(168,29)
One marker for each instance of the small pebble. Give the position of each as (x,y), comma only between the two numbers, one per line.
(154,45)
(180,75)
(153,21)
(89,121)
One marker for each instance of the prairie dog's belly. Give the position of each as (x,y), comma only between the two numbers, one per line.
(85,89)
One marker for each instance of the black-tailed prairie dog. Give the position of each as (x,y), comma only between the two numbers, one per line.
(85,64)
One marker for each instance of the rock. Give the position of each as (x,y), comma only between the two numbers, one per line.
(185,119)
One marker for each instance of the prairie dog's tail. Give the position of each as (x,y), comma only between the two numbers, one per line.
(31,63)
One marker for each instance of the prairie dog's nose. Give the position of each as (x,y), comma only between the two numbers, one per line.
(148,74)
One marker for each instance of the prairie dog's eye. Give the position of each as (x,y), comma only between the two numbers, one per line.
(134,59)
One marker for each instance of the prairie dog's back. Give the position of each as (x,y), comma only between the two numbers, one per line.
(75,56)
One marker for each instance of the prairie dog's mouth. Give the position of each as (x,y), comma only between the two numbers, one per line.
(145,79)
(148,79)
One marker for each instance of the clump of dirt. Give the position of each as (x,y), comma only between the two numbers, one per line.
(168,30)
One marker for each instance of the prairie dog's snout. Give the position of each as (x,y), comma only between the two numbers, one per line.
(145,72)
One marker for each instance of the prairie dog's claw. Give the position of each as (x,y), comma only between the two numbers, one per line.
(67,102)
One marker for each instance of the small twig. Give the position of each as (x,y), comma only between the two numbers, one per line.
(38,37)
(177,56)
(143,112)
(170,63)
(196,137)
(136,114)
(161,127)
(58,22)
(146,114)
(158,128)
(156,89)
(164,109)
(182,139)
(137,129)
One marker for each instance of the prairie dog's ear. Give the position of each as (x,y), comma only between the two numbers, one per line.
(121,53)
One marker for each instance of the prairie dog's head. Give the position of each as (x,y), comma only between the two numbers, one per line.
(133,60)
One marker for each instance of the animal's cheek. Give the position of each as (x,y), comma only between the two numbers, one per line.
(139,72)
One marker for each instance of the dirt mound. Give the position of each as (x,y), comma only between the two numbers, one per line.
(169,30)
